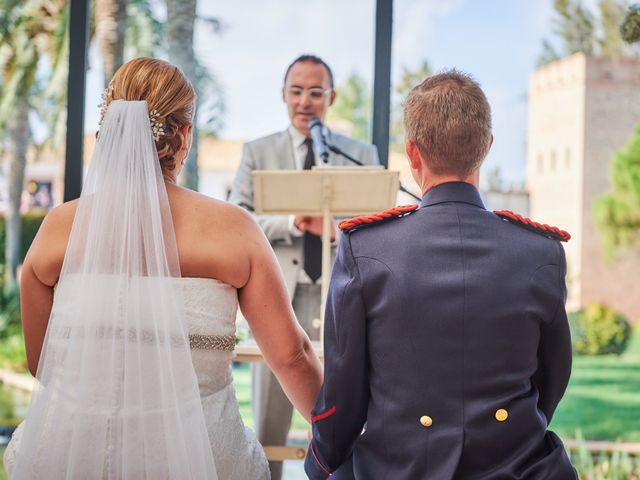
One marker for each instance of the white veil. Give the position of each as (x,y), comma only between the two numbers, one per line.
(118,396)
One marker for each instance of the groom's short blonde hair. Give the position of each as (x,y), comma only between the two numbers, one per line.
(448,117)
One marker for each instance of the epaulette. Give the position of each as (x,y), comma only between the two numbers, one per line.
(395,212)
(541,228)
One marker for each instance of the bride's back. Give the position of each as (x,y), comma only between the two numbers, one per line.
(213,237)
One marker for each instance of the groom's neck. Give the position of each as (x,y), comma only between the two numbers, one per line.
(431,180)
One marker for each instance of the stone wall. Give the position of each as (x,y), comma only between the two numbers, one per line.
(581,110)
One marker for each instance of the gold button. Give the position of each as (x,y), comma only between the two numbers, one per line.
(426,421)
(502,415)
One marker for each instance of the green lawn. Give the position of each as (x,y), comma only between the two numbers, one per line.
(603,400)
(3,474)
(603,397)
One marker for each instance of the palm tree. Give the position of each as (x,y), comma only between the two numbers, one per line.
(110,21)
(145,32)
(29,31)
(181,17)
(125,29)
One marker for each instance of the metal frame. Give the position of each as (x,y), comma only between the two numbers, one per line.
(78,51)
(382,79)
(78,39)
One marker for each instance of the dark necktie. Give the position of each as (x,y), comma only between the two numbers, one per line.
(312,243)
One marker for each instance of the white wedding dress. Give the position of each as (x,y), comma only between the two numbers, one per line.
(210,307)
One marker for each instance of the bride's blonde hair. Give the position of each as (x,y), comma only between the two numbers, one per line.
(168,93)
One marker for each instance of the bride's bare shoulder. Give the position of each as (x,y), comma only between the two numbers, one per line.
(208,211)
(46,253)
(59,219)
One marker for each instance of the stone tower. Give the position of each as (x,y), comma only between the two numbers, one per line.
(581,110)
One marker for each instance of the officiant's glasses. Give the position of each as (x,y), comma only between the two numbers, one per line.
(315,93)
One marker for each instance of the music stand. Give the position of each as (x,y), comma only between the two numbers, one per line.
(327,191)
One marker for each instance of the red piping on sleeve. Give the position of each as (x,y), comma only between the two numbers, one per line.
(324,469)
(323,415)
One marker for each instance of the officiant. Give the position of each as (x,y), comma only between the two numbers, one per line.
(308,92)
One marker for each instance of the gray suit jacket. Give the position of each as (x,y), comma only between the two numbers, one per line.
(274,152)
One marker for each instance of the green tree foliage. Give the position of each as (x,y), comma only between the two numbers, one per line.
(575,28)
(351,111)
(144,31)
(408,79)
(611,16)
(630,28)
(573,25)
(617,214)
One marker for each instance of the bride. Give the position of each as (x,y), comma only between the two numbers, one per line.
(129,298)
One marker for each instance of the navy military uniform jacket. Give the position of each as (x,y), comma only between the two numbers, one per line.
(447,348)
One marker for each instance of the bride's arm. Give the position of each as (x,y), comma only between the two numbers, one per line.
(40,272)
(266,306)
(36,300)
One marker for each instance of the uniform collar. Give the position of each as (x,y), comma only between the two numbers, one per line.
(461,192)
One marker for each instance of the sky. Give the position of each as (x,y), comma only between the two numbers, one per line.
(497,41)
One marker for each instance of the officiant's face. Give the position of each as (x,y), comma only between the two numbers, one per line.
(307,92)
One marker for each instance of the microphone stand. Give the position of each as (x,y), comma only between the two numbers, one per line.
(335,149)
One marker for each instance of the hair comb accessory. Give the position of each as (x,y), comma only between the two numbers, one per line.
(106,99)
(157,128)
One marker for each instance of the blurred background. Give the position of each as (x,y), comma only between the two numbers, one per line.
(562,77)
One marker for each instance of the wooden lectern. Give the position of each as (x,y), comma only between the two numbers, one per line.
(327,191)
(330,192)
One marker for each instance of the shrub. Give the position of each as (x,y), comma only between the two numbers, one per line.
(13,354)
(9,309)
(30,224)
(599,330)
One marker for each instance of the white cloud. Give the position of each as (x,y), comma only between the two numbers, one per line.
(414,33)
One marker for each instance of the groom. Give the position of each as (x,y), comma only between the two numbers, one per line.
(447,345)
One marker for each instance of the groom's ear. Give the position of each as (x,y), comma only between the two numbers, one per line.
(414,155)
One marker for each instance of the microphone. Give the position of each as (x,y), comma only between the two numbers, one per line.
(317,136)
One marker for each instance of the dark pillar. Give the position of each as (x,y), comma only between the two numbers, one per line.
(382,79)
(78,43)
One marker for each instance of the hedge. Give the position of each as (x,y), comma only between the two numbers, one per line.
(30,224)
(599,330)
